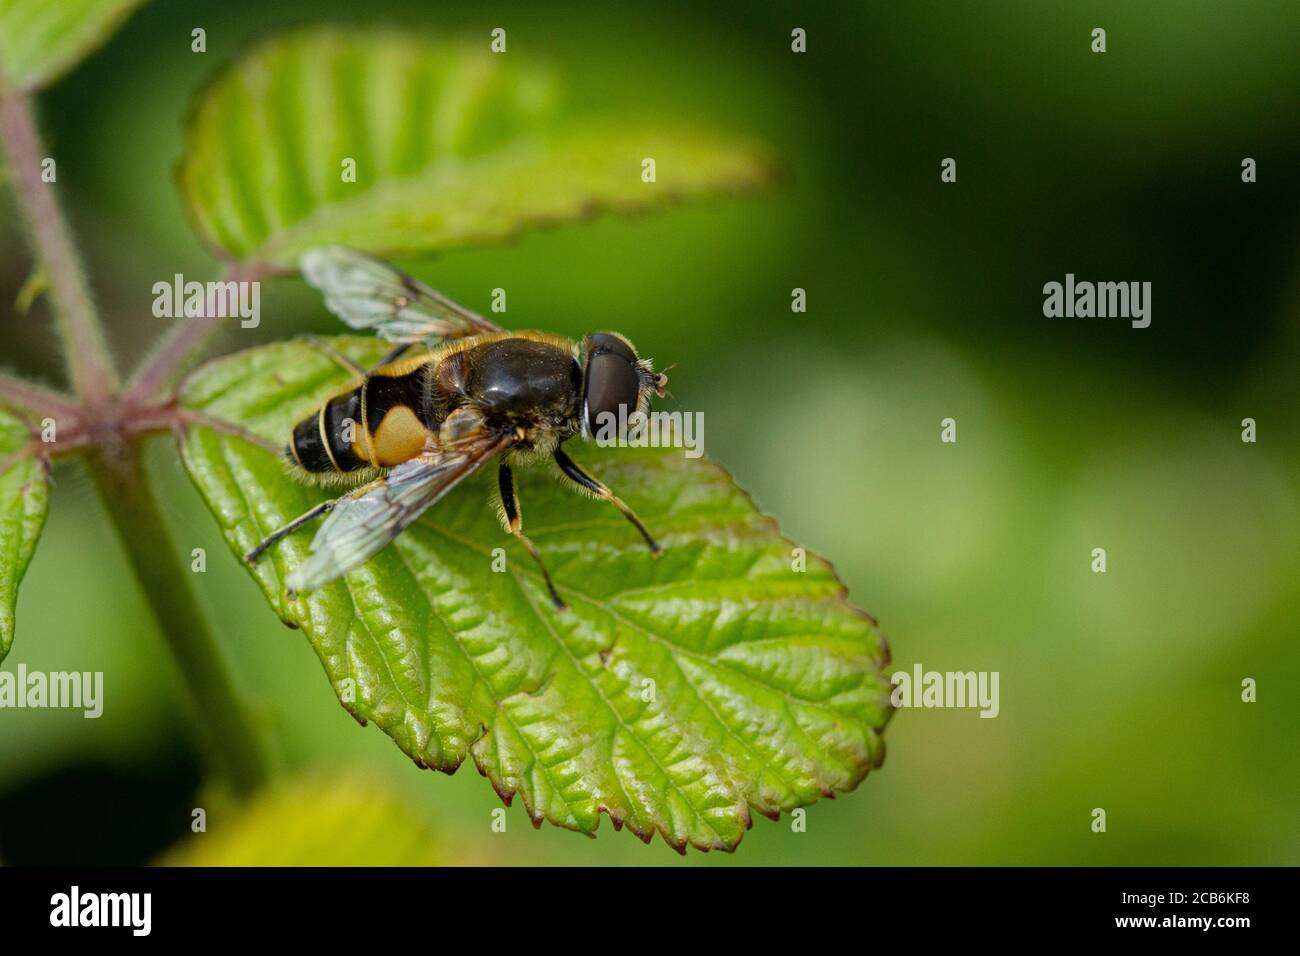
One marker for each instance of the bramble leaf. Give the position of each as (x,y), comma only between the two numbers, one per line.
(40,40)
(24,499)
(675,694)
(450,145)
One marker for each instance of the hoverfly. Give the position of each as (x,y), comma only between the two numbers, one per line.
(412,428)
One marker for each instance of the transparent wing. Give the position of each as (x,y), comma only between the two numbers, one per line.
(371,295)
(362,524)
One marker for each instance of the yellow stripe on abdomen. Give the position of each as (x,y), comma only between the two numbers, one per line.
(400,437)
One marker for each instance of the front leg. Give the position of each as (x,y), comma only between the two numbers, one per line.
(514,524)
(584,480)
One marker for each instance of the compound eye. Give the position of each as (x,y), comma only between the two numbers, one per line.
(611,381)
(609,342)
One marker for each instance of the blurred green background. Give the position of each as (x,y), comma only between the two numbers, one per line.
(1119,691)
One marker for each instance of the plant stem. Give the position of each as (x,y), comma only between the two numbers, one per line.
(116,464)
(181,343)
(90,365)
(228,731)
(24,396)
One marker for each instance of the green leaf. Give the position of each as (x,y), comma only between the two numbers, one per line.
(453,146)
(24,498)
(766,692)
(40,40)
(315,820)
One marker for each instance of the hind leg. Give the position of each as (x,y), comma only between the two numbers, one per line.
(325,507)
(514,523)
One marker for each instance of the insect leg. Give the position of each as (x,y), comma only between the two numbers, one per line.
(396,352)
(290,528)
(326,349)
(325,507)
(510,502)
(571,469)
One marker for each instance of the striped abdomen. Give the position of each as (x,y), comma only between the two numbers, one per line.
(382,422)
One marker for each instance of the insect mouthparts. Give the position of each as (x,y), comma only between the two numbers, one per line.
(661,382)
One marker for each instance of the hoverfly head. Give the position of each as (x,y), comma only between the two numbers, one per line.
(616,383)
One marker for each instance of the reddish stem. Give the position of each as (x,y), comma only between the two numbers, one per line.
(181,343)
(90,365)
